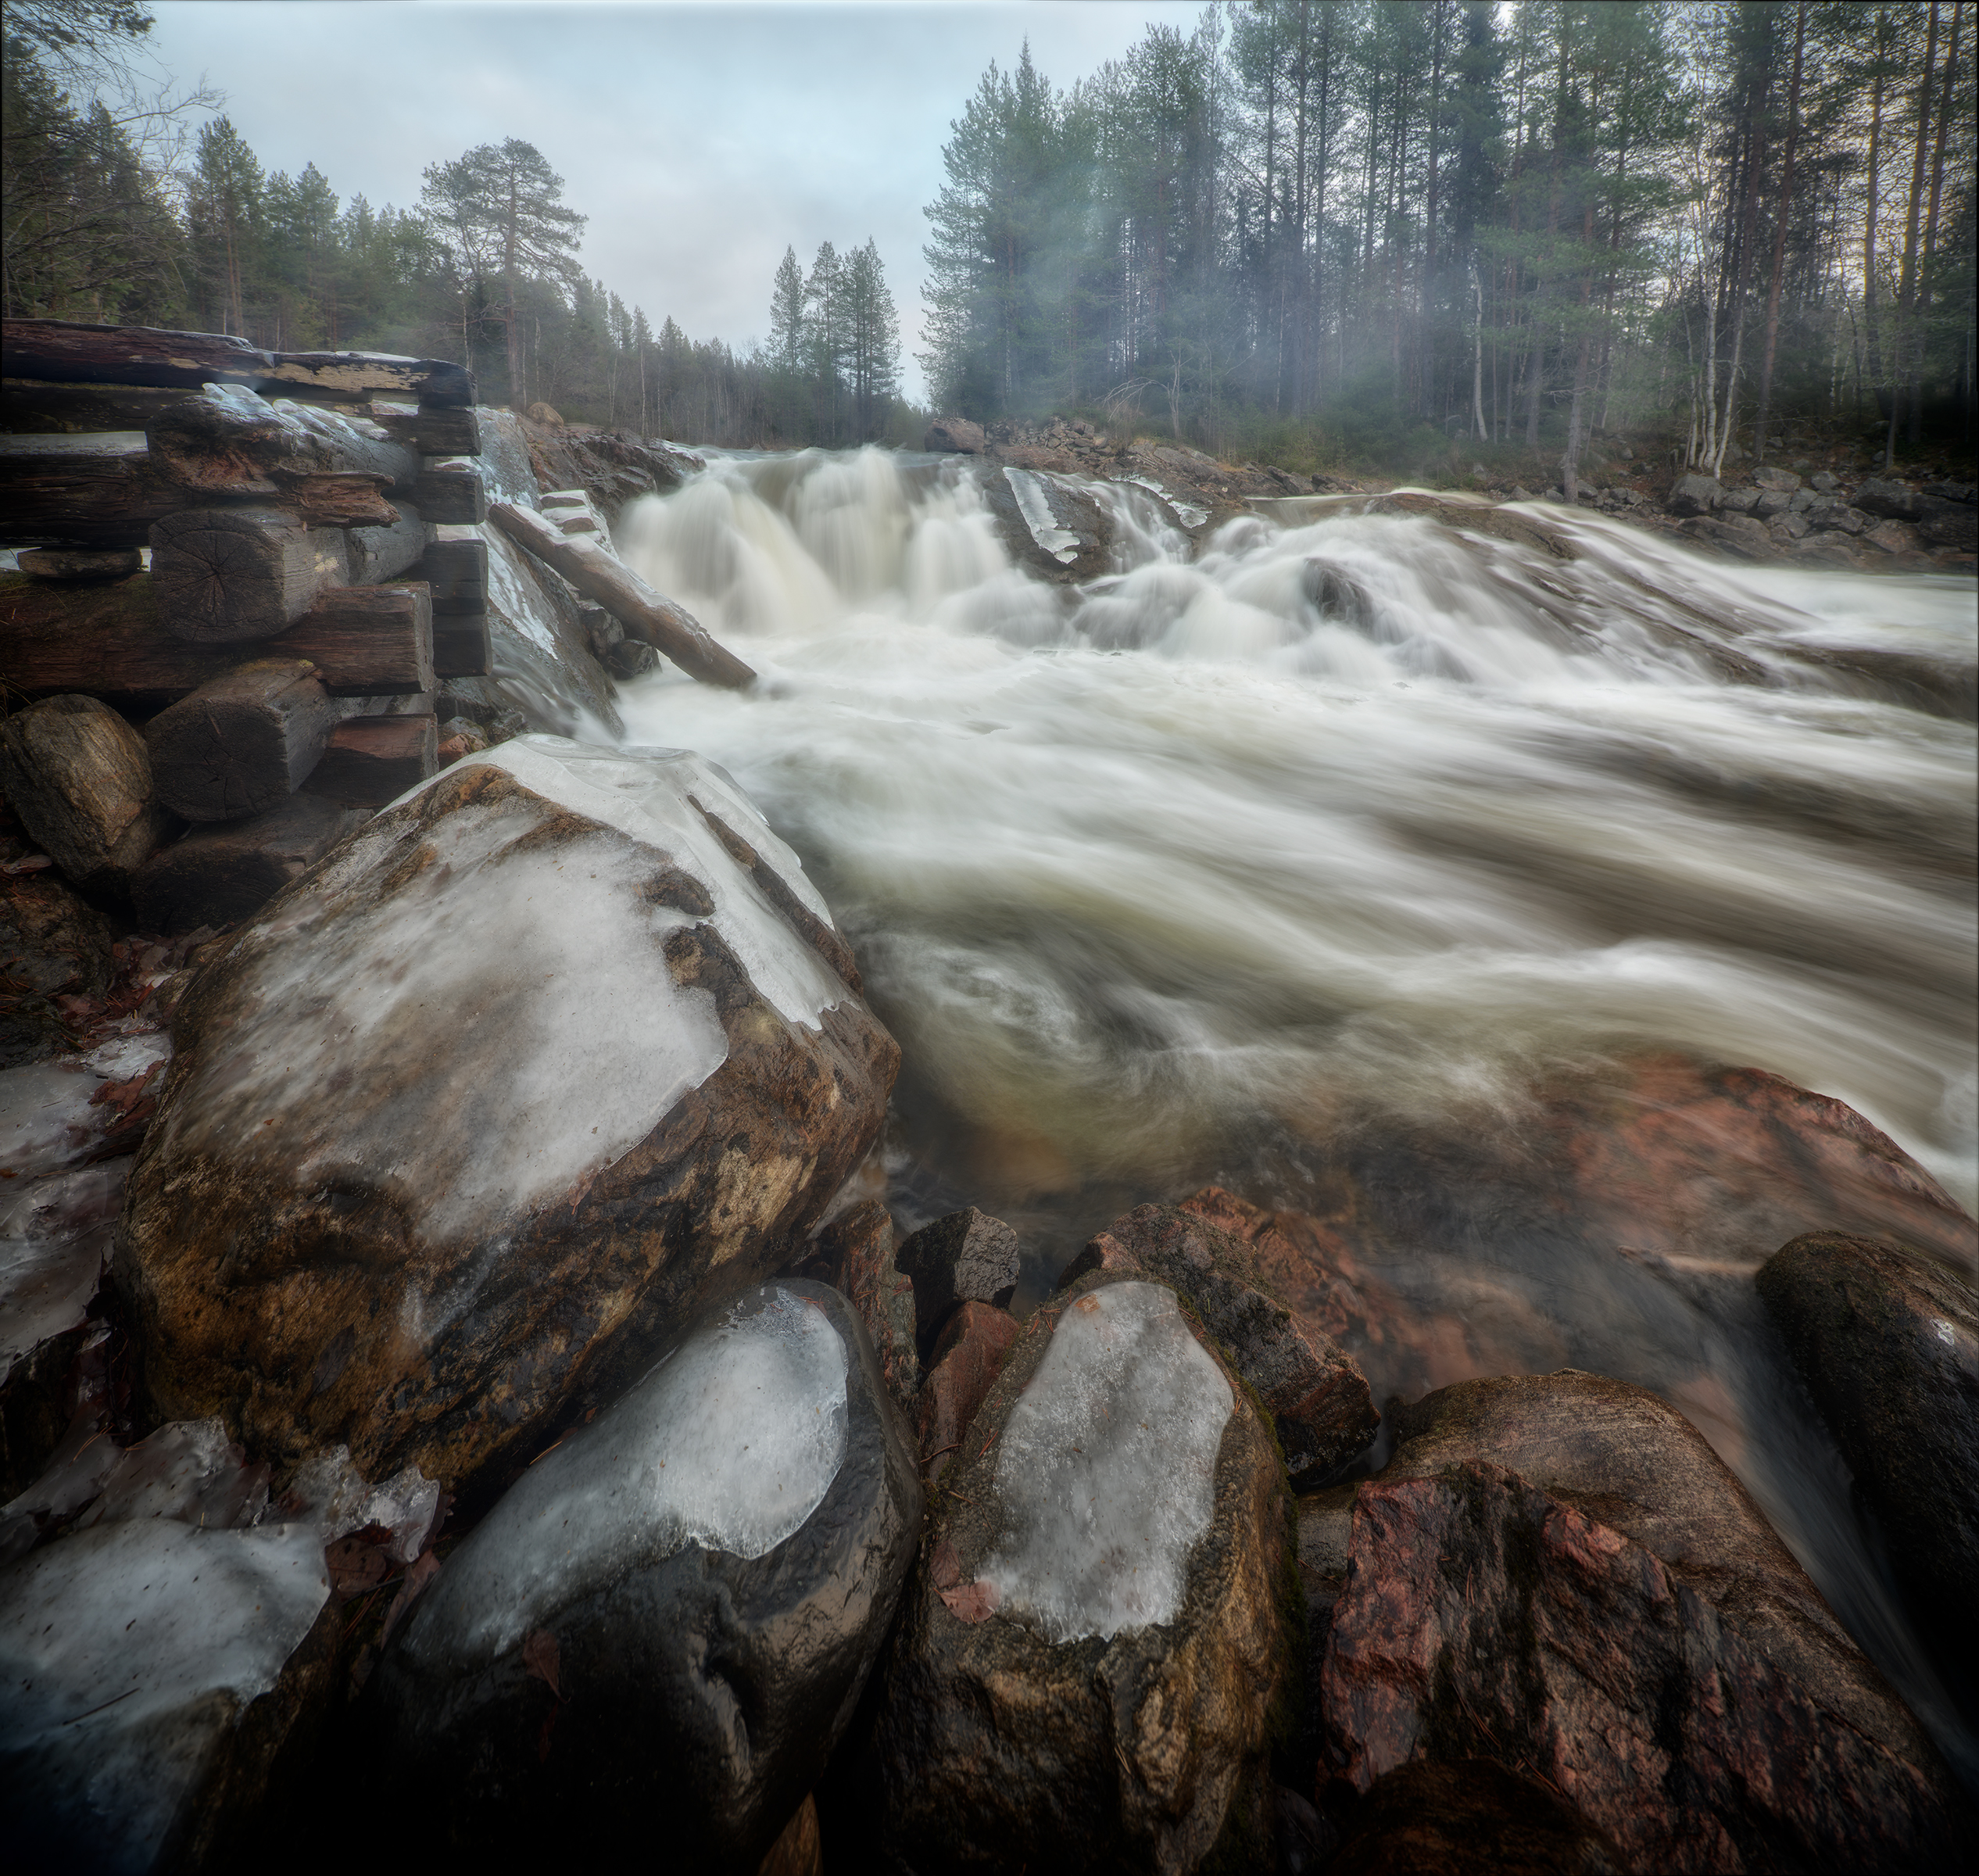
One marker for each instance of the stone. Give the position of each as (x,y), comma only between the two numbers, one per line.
(1739,536)
(1823,482)
(968,1355)
(954,436)
(1788,527)
(79,777)
(1948,523)
(1836,515)
(545,414)
(1891,537)
(1801,499)
(1485,1616)
(673,1615)
(1773,501)
(1881,496)
(54,945)
(1468,1818)
(1888,1343)
(1783,482)
(1739,501)
(1952,492)
(431,1195)
(966,1256)
(1693,494)
(224,872)
(1096,1652)
(1313,1392)
(858,1247)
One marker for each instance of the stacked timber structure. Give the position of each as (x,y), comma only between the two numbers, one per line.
(262,563)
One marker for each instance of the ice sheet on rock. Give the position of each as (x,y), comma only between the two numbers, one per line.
(499,1059)
(55,1234)
(188,1471)
(331,1490)
(646,794)
(46,1122)
(1035,505)
(731,1443)
(1106,1468)
(127,1651)
(1187,513)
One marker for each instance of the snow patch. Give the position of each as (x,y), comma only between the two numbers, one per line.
(1106,1468)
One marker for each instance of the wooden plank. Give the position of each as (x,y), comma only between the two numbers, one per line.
(452,493)
(370,760)
(457,572)
(241,743)
(29,407)
(65,352)
(384,553)
(366,641)
(100,489)
(227,442)
(228,575)
(599,574)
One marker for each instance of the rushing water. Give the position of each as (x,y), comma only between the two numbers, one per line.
(1350,824)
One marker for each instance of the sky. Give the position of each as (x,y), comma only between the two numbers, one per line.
(700,141)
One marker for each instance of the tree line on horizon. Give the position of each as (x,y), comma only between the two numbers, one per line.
(1328,228)
(117,210)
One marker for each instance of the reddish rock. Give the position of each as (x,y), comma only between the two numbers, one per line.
(953,435)
(1485,1617)
(968,1255)
(859,1246)
(1467,1817)
(968,1355)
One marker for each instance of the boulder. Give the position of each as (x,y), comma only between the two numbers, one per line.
(1693,494)
(1739,536)
(54,945)
(1095,1650)
(530,1071)
(672,1615)
(1893,538)
(965,1257)
(1739,501)
(1881,496)
(1822,482)
(1834,514)
(1773,502)
(1888,1343)
(546,415)
(1948,523)
(80,779)
(1485,1616)
(857,1247)
(224,872)
(953,435)
(968,1355)
(1781,481)
(1317,1396)
(1050,523)
(1468,1818)
(1788,527)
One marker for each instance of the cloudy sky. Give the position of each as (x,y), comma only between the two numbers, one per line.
(701,140)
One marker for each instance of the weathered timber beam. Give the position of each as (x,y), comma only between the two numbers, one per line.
(101,489)
(80,563)
(225,871)
(453,492)
(599,574)
(226,442)
(461,646)
(64,352)
(457,572)
(242,742)
(227,574)
(370,760)
(341,501)
(30,408)
(105,639)
(432,432)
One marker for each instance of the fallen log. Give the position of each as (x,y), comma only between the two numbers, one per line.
(227,443)
(452,493)
(78,775)
(227,575)
(65,352)
(370,760)
(599,574)
(241,743)
(105,639)
(226,872)
(97,490)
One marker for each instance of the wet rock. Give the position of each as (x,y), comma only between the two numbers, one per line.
(1948,523)
(1881,496)
(1895,538)
(426,1180)
(79,777)
(1048,523)
(1782,481)
(1484,1616)
(1773,502)
(613,467)
(224,872)
(1738,535)
(1888,1343)
(967,1256)
(1096,1688)
(968,1355)
(1788,527)
(858,1247)
(1693,494)
(954,436)
(1740,501)
(1837,516)
(1318,1397)
(672,1614)
(1468,1818)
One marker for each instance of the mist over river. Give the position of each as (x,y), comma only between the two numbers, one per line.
(1352,842)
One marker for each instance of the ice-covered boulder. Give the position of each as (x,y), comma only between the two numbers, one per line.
(550,1055)
(666,1622)
(1095,1644)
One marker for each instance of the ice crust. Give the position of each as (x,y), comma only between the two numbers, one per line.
(1106,1468)
(1035,505)
(55,1234)
(731,1442)
(113,1645)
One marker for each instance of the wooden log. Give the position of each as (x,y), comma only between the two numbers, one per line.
(432,432)
(385,553)
(243,742)
(64,352)
(365,641)
(599,574)
(373,760)
(227,871)
(97,490)
(224,575)
(453,493)
(29,407)
(462,647)
(227,442)
(457,572)
(80,779)
(79,563)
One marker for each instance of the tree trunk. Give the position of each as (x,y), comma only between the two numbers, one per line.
(227,574)
(243,743)
(1780,214)
(1903,368)
(1871,335)
(1930,217)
